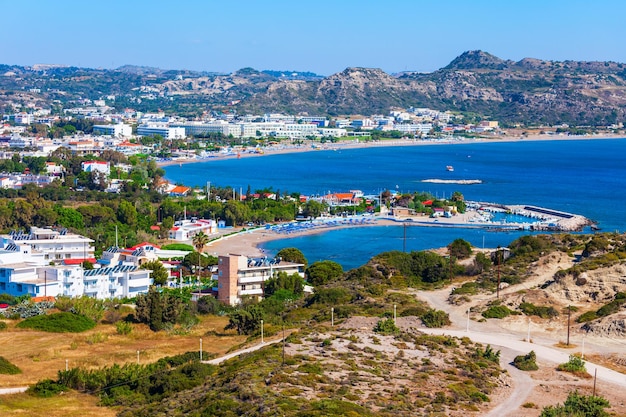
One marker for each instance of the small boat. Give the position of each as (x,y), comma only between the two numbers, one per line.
(449,168)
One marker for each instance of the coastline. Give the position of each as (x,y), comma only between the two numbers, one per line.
(247,241)
(357,144)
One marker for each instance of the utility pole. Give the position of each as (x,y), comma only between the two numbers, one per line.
(569,315)
(499,262)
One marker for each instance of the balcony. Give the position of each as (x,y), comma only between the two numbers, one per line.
(256,291)
(251,280)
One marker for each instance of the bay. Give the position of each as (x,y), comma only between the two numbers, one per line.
(585,177)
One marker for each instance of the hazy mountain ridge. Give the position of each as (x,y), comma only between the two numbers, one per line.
(527,91)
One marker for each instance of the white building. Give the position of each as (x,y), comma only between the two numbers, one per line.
(47,245)
(96,166)
(117,130)
(184,230)
(116,281)
(161,129)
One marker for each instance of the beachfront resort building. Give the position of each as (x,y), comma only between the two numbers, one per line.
(240,276)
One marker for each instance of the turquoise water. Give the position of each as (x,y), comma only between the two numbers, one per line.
(585,177)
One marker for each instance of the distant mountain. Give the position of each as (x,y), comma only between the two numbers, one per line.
(530,91)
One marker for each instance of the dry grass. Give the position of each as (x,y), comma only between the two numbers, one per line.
(41,355)
(72,404)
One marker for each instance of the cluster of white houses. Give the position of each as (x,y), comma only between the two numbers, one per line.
(49,263)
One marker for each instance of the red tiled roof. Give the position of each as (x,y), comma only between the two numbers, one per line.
(180,189)
(78,261)
(142,244)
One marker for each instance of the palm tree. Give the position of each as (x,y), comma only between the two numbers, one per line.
(199,242)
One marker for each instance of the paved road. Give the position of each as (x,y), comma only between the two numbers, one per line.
(543,352)
(5,391)
(221,359)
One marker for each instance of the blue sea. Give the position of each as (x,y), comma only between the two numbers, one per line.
(585,177)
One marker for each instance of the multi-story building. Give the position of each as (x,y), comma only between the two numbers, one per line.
(47,245)
(242,276)
(161,129)
(116,281)
(118,130)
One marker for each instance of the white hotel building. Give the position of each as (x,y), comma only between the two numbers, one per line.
(45,262)
(162,129)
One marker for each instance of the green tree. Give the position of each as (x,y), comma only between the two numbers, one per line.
(209,305)
(127,213)
(282,281)
(200,240)
(292,255)
(313,209)
(159,274)
(460,249)
(323,272)
(160,307)
(246,321)
(166,226)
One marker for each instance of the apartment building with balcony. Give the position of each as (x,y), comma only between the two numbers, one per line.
(242,276)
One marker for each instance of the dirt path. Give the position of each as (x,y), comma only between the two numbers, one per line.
(511,336)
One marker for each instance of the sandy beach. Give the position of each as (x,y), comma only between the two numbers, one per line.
(359,144)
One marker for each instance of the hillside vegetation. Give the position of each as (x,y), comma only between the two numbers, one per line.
(530,91)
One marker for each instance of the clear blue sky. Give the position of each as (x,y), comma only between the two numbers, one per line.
(322,36)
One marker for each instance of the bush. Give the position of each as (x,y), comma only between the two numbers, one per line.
(123,328)
(575,365)
(587,316)
(488,353)
(497,312)
(387,326)
(468,288)
(544,312)
(579,406)
(526,362)
(58,323)
(46,388)
(435,318)
(26,308)
(3,325)
(7,368)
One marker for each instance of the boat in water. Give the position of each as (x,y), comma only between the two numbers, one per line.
(449,168)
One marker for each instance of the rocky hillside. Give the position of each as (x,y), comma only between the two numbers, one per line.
(529,91)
